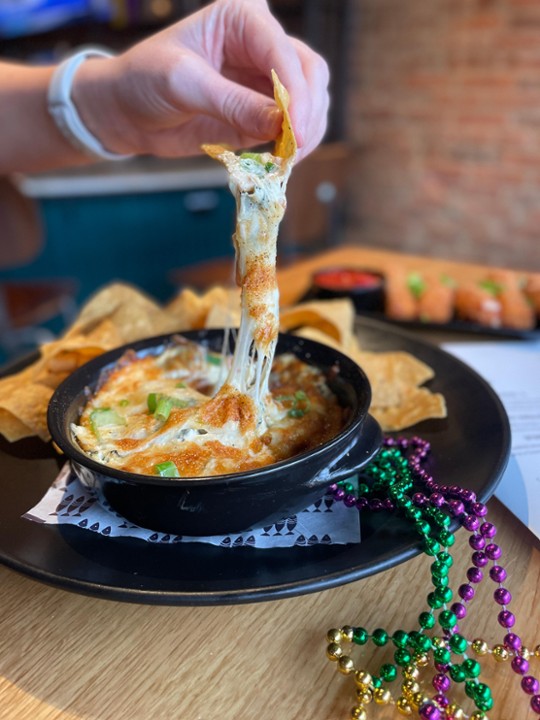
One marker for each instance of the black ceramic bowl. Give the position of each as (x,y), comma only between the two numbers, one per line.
(223,503)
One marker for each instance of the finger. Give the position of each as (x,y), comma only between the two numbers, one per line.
(316,73)
(185,139)
(257,39)
(252,79)
(199,88)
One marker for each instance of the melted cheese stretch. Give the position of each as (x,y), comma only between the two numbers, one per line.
(258,182)
(205,435)
(259,188)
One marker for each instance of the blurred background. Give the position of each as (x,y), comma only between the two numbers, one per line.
(433,148)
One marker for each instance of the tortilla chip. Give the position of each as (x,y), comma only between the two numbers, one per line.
(141,319)
(116,315)
(416,404)
(391,374)
(333,317)
(397,400)
(23,407)
(51,372)
(61,357)
(191,310)
(350,348)
(100,306)
(313,333)
(285,146)
(105,335)
(215,151)
(131,311)
(221,316)
(188,308)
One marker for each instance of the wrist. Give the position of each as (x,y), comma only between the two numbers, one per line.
(95,96)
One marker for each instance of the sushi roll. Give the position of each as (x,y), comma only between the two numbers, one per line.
(477,304)
(516,310)
(436,299)
(400,302)
(532,293)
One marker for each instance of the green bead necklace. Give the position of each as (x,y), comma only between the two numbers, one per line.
(396,481)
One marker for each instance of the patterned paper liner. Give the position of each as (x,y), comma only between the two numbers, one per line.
(68,501)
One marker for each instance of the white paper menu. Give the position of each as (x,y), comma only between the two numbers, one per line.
(512,368)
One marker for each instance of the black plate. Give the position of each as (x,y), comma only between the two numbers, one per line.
(470,448)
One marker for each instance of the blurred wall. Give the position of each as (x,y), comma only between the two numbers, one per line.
(444,117)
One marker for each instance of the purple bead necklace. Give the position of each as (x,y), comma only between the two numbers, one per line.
(396,481)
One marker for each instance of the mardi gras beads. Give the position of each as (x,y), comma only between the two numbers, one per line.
(397,481)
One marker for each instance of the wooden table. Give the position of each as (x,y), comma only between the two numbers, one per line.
(69,657)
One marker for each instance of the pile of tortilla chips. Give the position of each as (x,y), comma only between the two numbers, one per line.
(398,400)
(121,314)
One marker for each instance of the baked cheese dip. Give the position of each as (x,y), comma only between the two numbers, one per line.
(191,413)
(163,414)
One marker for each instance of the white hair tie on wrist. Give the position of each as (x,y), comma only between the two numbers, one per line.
(64,112)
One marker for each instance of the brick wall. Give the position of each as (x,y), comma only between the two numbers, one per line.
(444,118)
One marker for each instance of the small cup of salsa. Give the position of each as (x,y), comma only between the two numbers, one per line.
(364,287)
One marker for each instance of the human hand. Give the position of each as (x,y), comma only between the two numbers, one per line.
(205,79)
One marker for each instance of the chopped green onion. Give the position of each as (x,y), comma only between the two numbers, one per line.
(151,402)
(103,417)
(256,157)
(251,156)
(166,469)
(180,385)
(164,407)
(161,405)
(416,284)
(213,359)
(492,287)
(296,412)
(448,281)
(300,403)
(124,403)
